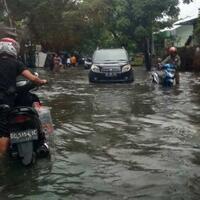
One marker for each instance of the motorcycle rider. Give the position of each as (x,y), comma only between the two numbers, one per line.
(174,59)
(10,68)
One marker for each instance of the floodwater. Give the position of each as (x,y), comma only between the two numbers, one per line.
(114,142)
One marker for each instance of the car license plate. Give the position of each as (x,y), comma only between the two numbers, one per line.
(110,74)
(23,136)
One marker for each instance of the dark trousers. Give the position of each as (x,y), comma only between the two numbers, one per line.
(26,99)
(10,101)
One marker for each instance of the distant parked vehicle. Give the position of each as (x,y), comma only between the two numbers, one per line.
(111,65)
(87,63)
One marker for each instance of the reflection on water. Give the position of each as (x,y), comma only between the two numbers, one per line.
(115,141)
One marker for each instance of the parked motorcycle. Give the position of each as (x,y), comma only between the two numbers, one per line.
(165,76)
(27,134)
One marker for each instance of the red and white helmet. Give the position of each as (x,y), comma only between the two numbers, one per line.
(9,46)
(172,50)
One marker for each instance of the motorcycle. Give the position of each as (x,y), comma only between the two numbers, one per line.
(27,134)
(165,76)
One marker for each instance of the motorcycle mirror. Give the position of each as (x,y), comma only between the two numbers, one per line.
(36,74)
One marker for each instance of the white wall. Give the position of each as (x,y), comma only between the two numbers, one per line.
(182,33)
(40,59)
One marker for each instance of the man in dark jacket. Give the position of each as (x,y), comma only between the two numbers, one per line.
(10,68)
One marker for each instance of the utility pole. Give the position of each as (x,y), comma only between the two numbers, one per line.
(8,13)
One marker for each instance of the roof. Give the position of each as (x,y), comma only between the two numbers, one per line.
(170,29)
(189,20)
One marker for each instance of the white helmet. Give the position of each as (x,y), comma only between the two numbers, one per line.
(9,46)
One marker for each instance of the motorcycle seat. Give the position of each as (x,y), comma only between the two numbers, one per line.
(4,107)
(23,109)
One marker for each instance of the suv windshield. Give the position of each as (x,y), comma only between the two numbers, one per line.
(110,55)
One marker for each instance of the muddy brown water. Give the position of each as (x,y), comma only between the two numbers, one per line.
(114,142)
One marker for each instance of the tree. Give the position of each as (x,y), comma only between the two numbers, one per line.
(86,24)
(128,23)
(53,23)
(133,21)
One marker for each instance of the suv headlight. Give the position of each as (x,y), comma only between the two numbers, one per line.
(95,68)
(126,68)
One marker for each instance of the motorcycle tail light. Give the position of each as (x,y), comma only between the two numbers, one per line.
(21,118)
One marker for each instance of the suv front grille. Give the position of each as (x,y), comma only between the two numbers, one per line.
(110,69)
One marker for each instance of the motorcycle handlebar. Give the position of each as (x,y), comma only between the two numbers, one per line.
(25,86)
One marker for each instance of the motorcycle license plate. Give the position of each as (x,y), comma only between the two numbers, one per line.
(23,136)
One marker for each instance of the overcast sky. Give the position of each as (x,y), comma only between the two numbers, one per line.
(189,9)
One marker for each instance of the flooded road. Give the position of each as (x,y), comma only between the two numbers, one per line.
(115,142)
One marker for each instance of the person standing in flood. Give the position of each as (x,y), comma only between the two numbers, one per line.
(68,62)
(196,59)
(57,63)
(73,61)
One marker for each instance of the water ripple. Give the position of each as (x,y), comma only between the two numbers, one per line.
(115,141)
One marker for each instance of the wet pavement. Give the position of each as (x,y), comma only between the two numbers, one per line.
(114,142)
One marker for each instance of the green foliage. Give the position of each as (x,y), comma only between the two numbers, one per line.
(84,25)
(131,21)
(53,23)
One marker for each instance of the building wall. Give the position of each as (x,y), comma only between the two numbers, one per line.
(181,34)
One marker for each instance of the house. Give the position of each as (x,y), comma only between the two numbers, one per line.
(184,34)
(179,35)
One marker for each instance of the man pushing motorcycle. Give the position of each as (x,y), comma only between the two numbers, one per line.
(10,68)
(173,58)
